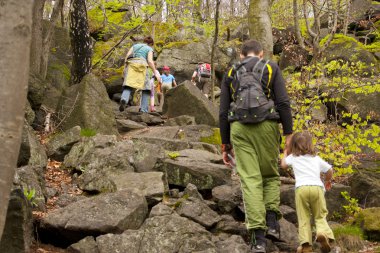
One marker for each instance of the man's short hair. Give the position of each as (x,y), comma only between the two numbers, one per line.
(251,46)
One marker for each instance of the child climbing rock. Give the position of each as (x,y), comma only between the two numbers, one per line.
(310,198)
(168,82)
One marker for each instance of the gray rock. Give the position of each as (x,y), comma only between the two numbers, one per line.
(29,113)
(227,197)
(126,125)
(31,178)
(229,225)
(172,233)
(203,175)
(146,155)
(169,234)
(148,184)
(86,245)
(67,199)
(31,151)
(60,145)
(289,213)
(198,211)
(108,213)
(319,113)
(335,200)
(92,108)
(18,231)
(160,210)
(186,99)
(192,191)
(287,195)
(36,90)
(349,50)
(234,244)
(365,186)
(183,120)
(293,56)
(129,241)
(145,118)
(176,145)
(201,155)
(289,236)
(363,104)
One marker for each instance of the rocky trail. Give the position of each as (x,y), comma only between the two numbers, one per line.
(157,185)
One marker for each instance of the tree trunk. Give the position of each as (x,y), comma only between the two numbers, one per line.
(15,30)
(36,46)
(81,42)
(49,33)
(214,49)
(297,25)
(260,27)
(232,7)
(347,17)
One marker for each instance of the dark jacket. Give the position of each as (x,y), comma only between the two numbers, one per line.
(277,92)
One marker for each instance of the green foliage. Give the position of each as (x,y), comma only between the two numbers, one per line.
(173,155)
(30,195)
(352,208)
(348,229)
(63,68)
(343,136)
(87,132)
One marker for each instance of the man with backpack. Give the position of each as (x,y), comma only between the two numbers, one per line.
(202,78)
(253,100)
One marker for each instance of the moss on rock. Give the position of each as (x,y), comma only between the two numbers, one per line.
(214,138)
(369,220)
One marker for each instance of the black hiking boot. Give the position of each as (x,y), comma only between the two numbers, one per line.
(273,232)
(122,105)
(258,242)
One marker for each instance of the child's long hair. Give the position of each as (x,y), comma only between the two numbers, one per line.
(302,144)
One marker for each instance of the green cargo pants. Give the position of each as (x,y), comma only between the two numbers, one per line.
(310,200)
(256,149)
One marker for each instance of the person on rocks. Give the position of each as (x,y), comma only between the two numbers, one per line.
(168,82)
(202,78)
(310,199)
(153,83)
(138,58)
(253,100)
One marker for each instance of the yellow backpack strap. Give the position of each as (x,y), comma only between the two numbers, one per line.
(270,71)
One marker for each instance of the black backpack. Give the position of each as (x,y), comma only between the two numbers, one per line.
(250,103)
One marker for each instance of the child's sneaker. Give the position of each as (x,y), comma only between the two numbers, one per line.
(324,241)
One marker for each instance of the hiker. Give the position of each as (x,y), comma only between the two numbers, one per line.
(310,199)
(153,83)
(168,82)
(253,100)
(202,78)
(138,58)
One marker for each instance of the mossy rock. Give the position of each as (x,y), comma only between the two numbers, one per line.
(349,49)
(214,139)
(369,220)
(348,237)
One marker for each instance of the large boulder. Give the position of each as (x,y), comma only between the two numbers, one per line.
(183,120)
(148,184)
(369,220)
(349,50)
(363,104)
(335,200)
(294,56)
(86,245)
(196,210)
(169,233)
(31,151)
(187,99)
(227,197)
(87,105)
(36,91)
(108,213)
(18,231)
(201,170)
(365,186)
(60,145)
(233,244)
